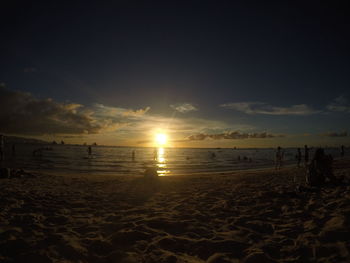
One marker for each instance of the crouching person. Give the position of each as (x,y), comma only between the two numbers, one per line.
(320,169)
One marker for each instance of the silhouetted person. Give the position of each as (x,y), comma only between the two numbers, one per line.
(155,154)
(306,155)
(89,150)
(342,151)
(299,157)
(2,153)
(279,157)
(320,168)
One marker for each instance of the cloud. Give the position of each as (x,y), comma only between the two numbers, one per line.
(335,134)
(136,113)
(232,135)
(264,108)
(117,112)
(184,107)
(340,104)
(22,113)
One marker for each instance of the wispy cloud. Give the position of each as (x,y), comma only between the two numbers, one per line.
(103,110)
(340,104)
(264,108)
(232,135)
(183,107)
(335,134)
(136,113)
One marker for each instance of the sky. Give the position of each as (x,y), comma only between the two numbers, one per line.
(205,73)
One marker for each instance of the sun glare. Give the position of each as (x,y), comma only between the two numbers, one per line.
(161,139)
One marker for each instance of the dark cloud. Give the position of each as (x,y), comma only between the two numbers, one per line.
(232,135)
(264,108)
(22,113)
(335,134)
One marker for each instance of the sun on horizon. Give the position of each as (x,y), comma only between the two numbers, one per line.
(161,139)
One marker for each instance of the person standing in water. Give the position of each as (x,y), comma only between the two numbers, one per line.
(89,150)
(299,157)
(306,155)
(155,154)
(342,151)
(279,156)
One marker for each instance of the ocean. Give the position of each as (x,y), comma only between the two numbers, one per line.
(116,161)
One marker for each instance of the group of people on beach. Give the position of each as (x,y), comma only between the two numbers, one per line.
(279,156)
(318,170)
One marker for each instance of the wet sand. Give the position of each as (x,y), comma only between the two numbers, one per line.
(247,216)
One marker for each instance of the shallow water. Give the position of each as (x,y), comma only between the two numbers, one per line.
(63,159)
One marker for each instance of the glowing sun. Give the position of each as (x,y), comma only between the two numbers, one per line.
(161,139)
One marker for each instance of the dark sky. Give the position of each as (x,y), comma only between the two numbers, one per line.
(135,54)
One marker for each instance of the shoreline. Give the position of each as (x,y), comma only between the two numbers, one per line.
(74,161)
(270,168)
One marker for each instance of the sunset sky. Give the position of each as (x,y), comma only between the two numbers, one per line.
(206,73)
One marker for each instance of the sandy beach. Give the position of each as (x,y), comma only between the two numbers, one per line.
(249,216)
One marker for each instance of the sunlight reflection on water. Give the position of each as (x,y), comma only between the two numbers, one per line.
(161,162)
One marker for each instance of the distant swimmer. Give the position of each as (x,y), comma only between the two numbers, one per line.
(89,150)
(38,152)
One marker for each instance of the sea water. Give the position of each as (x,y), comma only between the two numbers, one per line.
(105,160)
